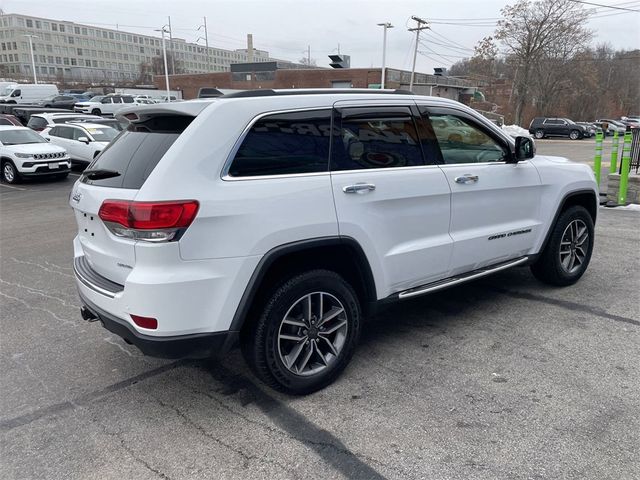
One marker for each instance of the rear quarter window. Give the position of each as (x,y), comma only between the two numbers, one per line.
(285,144)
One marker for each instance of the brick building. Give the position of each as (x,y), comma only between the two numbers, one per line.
(275,75)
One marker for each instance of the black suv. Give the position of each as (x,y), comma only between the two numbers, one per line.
(542,127)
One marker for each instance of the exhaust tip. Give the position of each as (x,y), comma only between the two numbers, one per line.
(87,314)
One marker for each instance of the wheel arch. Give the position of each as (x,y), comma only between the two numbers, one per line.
(340,254)
(585,198)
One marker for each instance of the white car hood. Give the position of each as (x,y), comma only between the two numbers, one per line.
(33,148)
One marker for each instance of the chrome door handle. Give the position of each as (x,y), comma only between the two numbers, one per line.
(359,188)
(467,178)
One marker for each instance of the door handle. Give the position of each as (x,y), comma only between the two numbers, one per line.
(467,178)
(359,188)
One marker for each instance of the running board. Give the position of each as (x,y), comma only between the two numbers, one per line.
(451,281)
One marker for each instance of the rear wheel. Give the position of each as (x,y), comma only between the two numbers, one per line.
(307,333)
(574,134)
(568,252)
(10,172)
(539,134)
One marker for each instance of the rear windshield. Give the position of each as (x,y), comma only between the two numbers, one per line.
(136,151)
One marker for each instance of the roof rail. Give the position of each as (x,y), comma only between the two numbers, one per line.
(268,92)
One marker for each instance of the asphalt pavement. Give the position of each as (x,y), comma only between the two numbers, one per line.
(502,378)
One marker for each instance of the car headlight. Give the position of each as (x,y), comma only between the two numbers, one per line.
(24,155)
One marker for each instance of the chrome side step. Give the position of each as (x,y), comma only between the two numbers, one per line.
(449,282)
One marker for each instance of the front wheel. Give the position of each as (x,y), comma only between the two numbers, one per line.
(96,111)
(568,252)
(574,134)
(9,172)
(307,333)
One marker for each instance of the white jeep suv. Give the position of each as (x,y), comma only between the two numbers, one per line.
(279,219)
(24,153)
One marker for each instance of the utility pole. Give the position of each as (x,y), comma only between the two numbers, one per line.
(164,55)
(206,41)
(173,61)
(33,60)
(385,26)
(308,55)
(420,22)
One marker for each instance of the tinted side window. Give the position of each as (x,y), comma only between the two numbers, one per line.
(65,132)
(127,99)
(376,138)
(54,132)
(462,141)
(286,143)
(77,133)
(4,121)
(37,122)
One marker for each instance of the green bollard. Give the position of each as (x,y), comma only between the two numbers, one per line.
(597,161)
(626,166)
(613,168)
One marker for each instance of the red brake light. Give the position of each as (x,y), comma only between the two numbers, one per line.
(149,215)
(145,322)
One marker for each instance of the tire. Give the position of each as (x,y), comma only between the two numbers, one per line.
(574,135)
(294,367)
(539,134)
(96,111)
(10,172)
(557,268)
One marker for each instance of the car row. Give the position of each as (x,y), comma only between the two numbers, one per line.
(80,138)
(543,127)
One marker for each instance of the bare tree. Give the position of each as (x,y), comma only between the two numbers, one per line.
(530,31)
(309,62)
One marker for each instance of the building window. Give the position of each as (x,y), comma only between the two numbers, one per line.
(38,24)
(61,28)
(29,23)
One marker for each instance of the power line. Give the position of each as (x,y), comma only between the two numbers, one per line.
(605,6)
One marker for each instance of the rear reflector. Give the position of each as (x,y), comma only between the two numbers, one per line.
(145,322)
(149,215)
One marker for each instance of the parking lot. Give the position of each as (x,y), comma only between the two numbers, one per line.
(502,378)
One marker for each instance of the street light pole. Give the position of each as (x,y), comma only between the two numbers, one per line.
(33,60)
(384,51)
(166,71)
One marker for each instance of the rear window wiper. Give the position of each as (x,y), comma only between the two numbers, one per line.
(100,174)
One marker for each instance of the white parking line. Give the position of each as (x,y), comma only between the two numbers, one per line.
(11,186)
(75,174)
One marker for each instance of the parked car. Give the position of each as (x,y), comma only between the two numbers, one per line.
(40,121)
(109,122)
(58,101)
(303,211)
(613,125)
(542,127)
(590,129)
(24,153)
(83,141)
(105,105)
(10,120)
(27,92)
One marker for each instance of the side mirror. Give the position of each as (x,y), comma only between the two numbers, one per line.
(83,140)
(47,139)
(525,148)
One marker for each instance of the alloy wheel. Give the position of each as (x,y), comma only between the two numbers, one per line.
(8,172)
(573,246)
(312,333)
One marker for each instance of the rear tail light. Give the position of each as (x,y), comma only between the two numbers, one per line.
(148,221)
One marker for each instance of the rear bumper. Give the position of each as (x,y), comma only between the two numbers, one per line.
(198,345)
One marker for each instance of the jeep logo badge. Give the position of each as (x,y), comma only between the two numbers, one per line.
(76,197)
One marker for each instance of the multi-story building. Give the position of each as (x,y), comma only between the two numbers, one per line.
(67,51)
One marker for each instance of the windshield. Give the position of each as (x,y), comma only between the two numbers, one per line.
(97,98)
(20,137)
(6,91)
(68,119)
(104,134)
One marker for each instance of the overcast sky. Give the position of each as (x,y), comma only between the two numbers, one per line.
(286,27)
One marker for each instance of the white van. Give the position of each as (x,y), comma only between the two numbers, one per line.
(27,92)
